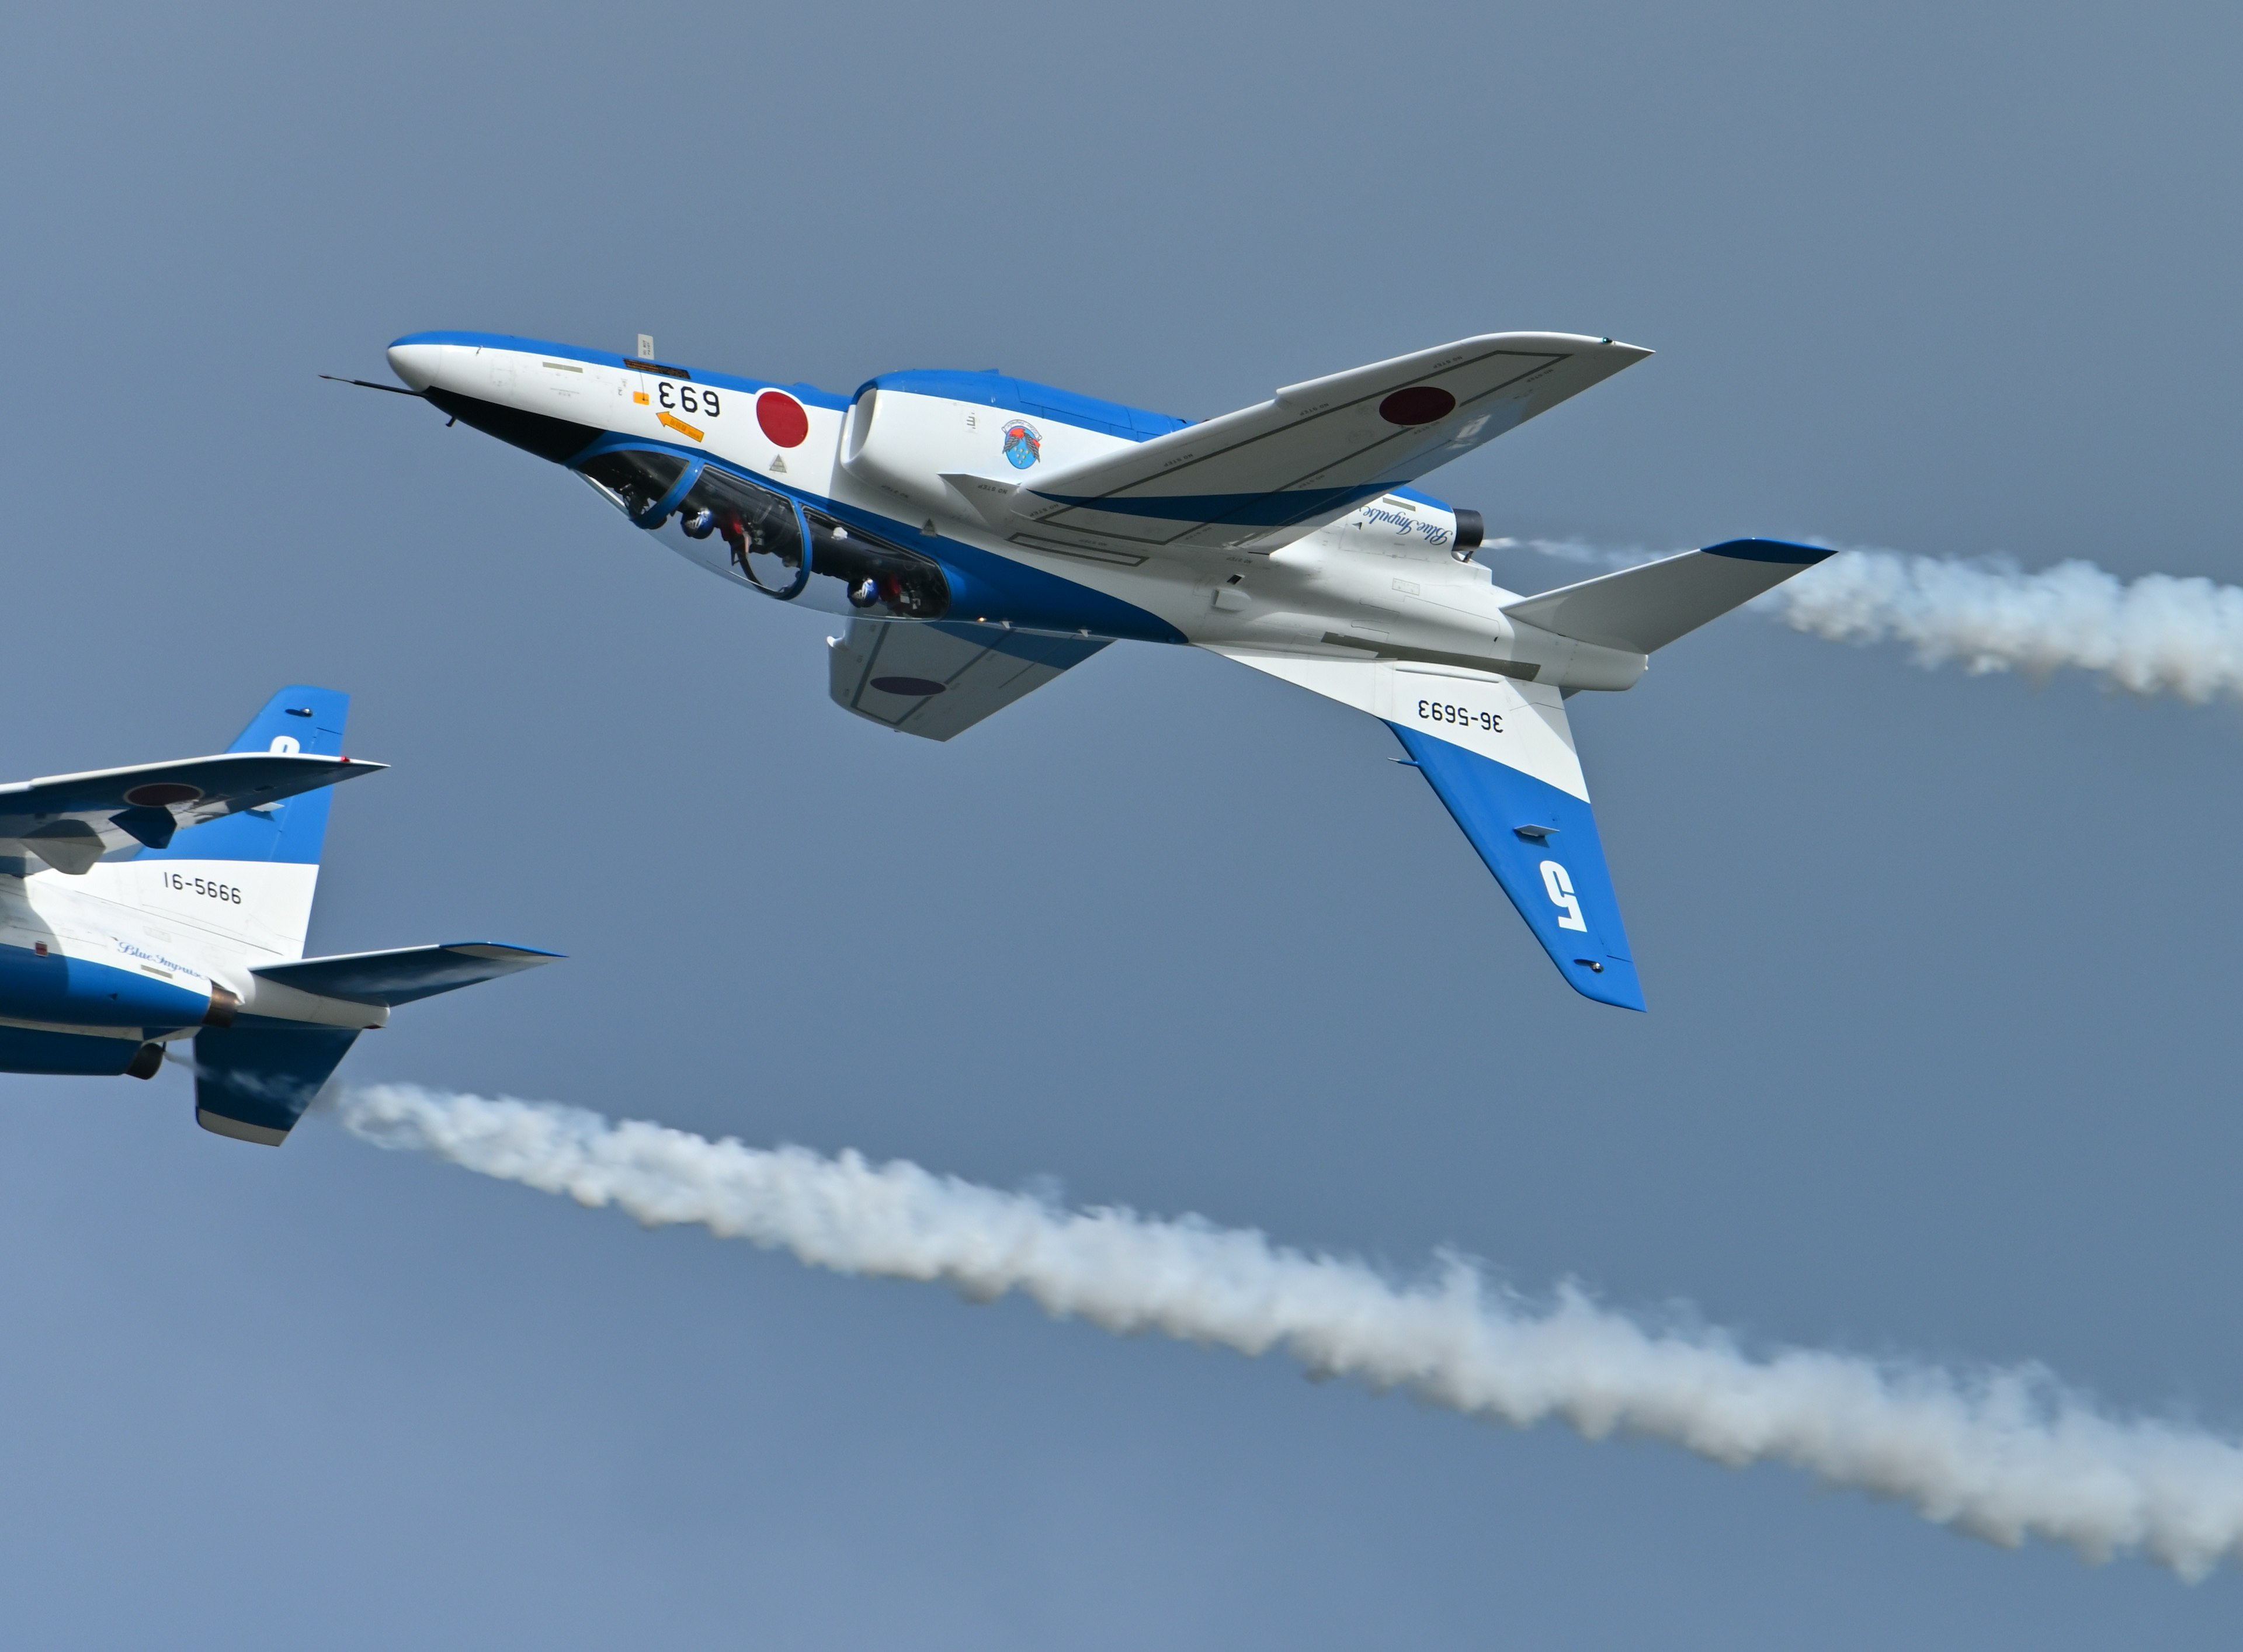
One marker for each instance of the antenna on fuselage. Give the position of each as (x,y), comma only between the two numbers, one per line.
(368,384)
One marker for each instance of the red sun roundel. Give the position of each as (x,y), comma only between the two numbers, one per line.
(1420,404)
(782,418)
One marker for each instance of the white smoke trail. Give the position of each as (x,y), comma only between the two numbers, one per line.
(2159,634)
(2156,635)
(2003,1455)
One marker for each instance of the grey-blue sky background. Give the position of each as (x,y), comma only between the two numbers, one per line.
(1941,971)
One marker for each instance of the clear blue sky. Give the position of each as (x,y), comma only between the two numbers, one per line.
(1941,1047)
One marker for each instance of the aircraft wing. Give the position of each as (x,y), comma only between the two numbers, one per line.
(938,679)
(71,820)
(1499,753)
(1266,474)
(404,973)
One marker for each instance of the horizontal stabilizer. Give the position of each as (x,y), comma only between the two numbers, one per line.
(406,973)
(939,678)
(69,821)
(1638,610)
(252,1083)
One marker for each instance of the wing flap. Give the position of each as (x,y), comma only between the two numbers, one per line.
(404,973)
(1264,475)
(937,679)
(1638,610)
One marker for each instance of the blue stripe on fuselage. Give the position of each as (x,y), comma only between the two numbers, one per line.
(33,1050)
(79,993)
(1248,509)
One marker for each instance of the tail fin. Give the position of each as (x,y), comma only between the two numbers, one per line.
(282,842)
(1540,841)
(1638,610)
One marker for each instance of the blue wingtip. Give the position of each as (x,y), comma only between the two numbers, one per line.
(1615,984)
(1771,550)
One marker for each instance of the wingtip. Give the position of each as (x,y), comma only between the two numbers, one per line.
(1771,550)
(1614,984)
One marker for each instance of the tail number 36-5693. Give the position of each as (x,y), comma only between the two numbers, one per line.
(1463,715)
(1560,890)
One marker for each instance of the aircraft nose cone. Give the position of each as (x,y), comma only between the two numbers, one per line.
(417,364)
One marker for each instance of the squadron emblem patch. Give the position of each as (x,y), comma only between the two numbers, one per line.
(1024,444)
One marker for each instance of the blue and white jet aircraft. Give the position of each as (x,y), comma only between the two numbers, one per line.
(985,534)
(142,905)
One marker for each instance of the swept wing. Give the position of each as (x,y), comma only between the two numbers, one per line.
(938,680)
(71,820)
(1266,474)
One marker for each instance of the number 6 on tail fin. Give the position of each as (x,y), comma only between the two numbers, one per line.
(1495,745)
(1515,816)
(1561,893)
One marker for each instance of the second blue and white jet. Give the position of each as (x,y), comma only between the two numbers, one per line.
(165,904)
(985,534)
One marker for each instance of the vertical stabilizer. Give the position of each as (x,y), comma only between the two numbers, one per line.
(263,864)
(1540,841)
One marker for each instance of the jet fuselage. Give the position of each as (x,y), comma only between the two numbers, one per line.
(901,489)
